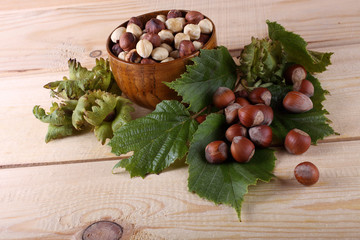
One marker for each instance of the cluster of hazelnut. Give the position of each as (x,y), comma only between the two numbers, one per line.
(161,39)
(249,115)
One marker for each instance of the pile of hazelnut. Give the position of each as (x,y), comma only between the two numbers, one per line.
(248,115)
(161,39)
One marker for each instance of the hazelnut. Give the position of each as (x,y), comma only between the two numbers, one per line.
(175,54)
(180,37)
(116,34)
(198,45)
(168,59)
(222,97)
(186,48)
(174,14)
(216,152)
(174,24)
(122,55)
(242,101)
(136,21)
(161,18)
(159,53)
(204,38)
(231,113)
(167,46)
(133,56)
(166,36)
(297,102)
(147,61)
(242,149)
(268,113)
(194,17)
(305,87)
(144,48)
(261,135)
(295,73)
(193,31)
(250,116)
(127,41)
(134,29)
(206,26)
(260,95)
(306,173)
(297,141)
(234,131)
(153,38)
(116,49)
(154,26)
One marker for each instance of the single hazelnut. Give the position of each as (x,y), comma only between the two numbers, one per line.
(153,38)
(147,61)
(122,55)
(174,24)
(260,95)
(116,49)
(194,17)
(175,54)
(166,36)
(206,26)
(222,97)
(133,56)
(306,173)
(297,102)
(250,116)
(261,135)
(174,14)
(127,41)
(186,48)
(305,87)
(193,31)
(198,45)
(116,34)
(161,18)
(167,46)
(242,101)
(216,152)
(168,59)
(134,29)
(242,149)
(154,26)
(136,21)
(182,20)
(144,48)
(180,37)
(297,141)
(268,113)
(159,53)
(295,73)
(234,131)
(204,38)
(231,113)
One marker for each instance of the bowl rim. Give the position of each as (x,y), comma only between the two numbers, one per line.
(108,41)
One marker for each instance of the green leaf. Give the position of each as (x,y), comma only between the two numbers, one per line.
(158,139)
(227,182)
(212,69)
(295,48)
(313,122)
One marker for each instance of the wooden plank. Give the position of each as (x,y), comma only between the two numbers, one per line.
(40,39)
(58,202)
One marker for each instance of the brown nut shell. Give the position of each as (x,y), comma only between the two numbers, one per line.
(242,149)
(305,87)
(306,173)
(174,14)
(297,141)
(231,112)
(222,97)
(250,116)
(261,135)
(295,73)
(154,26)
(136,21)
(194,17)
(153,38)
(260,95)
(234,131)
(186,48)
(268,113)
(297,102)
(216,152)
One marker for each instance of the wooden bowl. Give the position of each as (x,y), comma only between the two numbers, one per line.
(143,83)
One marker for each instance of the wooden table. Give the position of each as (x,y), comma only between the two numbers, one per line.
(55,190)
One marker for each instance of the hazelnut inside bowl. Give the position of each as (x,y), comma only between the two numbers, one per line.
(144,83)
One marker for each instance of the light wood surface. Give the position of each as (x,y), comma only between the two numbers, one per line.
(55,190)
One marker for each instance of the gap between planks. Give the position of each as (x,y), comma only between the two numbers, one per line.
(106,159)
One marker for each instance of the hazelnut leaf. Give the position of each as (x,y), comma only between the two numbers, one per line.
(157,139)
(225,183)
(211,69)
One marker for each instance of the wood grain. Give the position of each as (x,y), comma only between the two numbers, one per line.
(58,202)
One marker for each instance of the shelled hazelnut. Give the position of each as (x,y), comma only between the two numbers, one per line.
(206,26)
(168,59)
(174,54)
(167,47)
(134,29)
(144,48)
(136,21)
(193,31)
(153,38)
(194,17)
(116,34)
(198,45)
(166,36)
(161,18)
(127,41)
(159,53)
(154,26)
(180,37)
(186,47)
(122,55)
(174,24)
